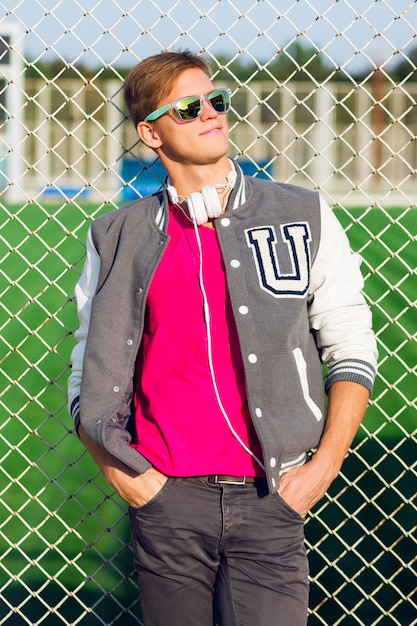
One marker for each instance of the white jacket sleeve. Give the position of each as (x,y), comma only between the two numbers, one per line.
(339,314)
(84,293)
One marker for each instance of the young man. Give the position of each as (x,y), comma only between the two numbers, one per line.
(206,312)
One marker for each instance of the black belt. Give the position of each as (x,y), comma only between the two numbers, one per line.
(224,479)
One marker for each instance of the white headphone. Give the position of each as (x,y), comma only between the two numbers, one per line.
(205,204)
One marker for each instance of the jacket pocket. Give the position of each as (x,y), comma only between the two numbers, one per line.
(302,373)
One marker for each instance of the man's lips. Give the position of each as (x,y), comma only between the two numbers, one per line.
(213,130)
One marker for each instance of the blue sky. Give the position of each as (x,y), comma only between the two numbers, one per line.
(119,32)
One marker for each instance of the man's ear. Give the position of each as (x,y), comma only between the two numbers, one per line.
(148,134)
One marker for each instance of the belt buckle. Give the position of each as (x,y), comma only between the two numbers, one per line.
(230,482)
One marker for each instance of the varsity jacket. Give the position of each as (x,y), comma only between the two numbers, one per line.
(295,289)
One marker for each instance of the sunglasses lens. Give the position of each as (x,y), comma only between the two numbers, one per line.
(188,108)
(220,100)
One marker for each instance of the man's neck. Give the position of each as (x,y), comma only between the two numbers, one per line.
(189,179)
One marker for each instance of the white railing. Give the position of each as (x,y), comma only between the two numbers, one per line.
(328,137)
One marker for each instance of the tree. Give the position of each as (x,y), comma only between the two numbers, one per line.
(297,61)
(406,68)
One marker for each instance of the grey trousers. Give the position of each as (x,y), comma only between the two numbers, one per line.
(230,555)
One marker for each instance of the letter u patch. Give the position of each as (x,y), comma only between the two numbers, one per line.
(267,249)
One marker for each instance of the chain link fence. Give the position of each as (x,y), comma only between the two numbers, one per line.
(324,94)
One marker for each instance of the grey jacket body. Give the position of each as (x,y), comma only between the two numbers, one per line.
(295,290)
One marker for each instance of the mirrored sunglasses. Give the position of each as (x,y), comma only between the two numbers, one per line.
(190,108)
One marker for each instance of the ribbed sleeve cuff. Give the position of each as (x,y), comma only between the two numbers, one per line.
(354,370)
(75,413)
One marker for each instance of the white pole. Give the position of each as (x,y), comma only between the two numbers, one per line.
(13,129)
(323,138)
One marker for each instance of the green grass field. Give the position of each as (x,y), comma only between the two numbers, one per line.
(60,530)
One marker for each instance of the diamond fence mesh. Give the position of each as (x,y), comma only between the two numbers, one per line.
(324,94)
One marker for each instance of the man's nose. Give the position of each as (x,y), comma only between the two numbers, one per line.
(208,111)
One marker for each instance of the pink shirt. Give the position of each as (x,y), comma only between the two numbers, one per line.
(180,427)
